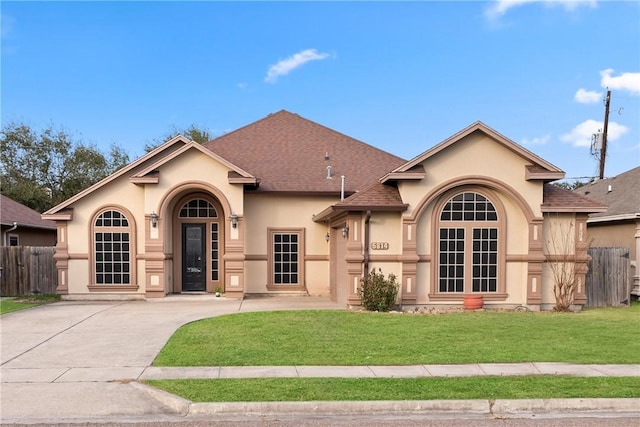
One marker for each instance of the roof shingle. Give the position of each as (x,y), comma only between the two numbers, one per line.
(288,153)
(624,197)
(558,199)
(12,211)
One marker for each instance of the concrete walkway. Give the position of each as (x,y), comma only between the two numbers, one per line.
(413,371)
(79,361)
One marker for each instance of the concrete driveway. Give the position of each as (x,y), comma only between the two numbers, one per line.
(73,360)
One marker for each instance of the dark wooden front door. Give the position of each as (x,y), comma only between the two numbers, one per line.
(194,259)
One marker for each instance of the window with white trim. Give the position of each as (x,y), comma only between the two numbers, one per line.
(468,234)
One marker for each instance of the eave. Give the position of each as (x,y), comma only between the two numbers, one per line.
(572,209)
(333,210)
(64,215)
(151,178)
(403,176)
(613,218)
(535,174)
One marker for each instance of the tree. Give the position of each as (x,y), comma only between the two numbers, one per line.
(193,132)
(567,185)
(42,169)
(563,259)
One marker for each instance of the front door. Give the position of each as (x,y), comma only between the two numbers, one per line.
(194,259)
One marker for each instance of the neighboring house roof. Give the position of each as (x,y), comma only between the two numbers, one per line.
(620,193)
(558,199)
(539,168)
(289,153)
(12,211)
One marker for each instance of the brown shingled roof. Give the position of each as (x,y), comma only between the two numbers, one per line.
(558,199)
(624,197)
(376,197)
(12,211)
(287,152)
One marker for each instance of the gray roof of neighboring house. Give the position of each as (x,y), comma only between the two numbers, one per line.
(12,211)
(620,193)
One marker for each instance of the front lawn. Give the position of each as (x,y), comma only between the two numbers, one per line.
(8,305)
(359,338)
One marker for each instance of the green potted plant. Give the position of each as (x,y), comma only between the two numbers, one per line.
(218,291)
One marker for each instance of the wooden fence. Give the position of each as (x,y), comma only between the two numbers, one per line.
(27,269)
(608,281)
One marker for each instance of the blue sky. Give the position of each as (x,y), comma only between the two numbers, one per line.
(401,76)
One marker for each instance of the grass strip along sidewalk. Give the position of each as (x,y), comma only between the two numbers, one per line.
(336,389)
(342,338)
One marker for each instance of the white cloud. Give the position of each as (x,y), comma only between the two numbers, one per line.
(499,8)
(625,81)
(584,96)
(243,85)
(580,136)
(289,64)
(6,25)
(538,140)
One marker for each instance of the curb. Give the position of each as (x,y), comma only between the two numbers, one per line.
(184,407)
(630,406)
(177,404)
(478,407)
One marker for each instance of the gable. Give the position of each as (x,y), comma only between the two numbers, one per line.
(146,170)
(532,167)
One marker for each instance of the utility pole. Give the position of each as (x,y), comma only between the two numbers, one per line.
(603,151)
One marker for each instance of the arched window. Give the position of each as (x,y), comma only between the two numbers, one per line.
(112,249)
(468,245)
(198,208)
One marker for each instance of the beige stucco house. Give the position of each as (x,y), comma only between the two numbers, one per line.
(285,205)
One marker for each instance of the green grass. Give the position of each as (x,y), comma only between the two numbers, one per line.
(8,305)
(360,338)
(310,389)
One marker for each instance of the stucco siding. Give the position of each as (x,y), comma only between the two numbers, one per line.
(613,235)
(193,166)
(269,211)
(385,227)
(476,156)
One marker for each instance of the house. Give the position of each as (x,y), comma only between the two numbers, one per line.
(619,226)
(23,226)
(286,205)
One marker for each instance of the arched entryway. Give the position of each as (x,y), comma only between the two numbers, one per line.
(198,243)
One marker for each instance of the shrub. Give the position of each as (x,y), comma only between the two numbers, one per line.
(378,293)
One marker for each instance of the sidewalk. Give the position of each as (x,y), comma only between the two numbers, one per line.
(413,371)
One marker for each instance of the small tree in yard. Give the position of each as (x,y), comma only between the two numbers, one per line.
(378,293)
(561,244)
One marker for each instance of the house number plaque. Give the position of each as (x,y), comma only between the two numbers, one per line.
(379,246)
